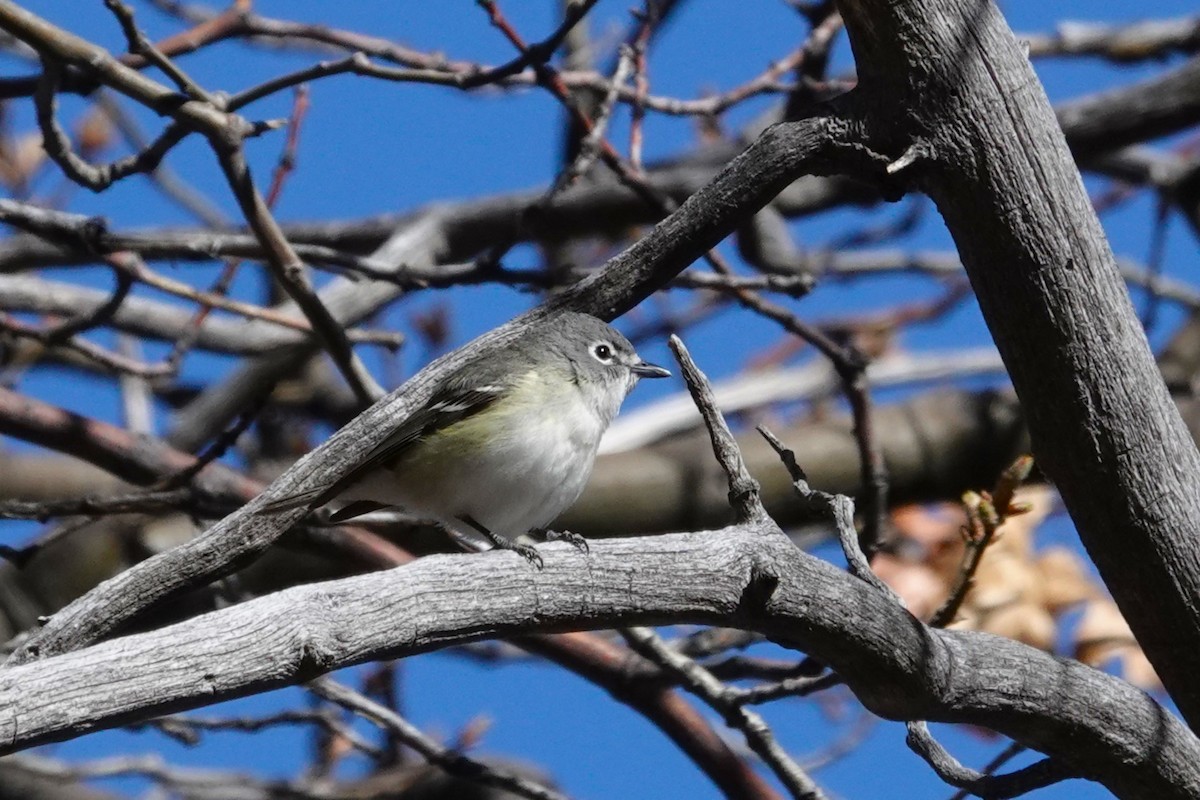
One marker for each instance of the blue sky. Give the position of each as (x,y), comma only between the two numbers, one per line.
(371,148)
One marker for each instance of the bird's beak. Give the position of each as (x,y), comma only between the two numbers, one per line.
(645,370)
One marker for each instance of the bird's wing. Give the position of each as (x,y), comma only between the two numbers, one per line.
(449,404)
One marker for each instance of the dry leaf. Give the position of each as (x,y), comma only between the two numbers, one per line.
(25,156)
(1102,633)
(1024,622)
(1136,669)
(1063,579)
(1016,534)
(937,532)
(920,587)
(1003,579)
(93,132)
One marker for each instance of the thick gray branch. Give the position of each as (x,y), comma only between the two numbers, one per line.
(986,146)
(747,576)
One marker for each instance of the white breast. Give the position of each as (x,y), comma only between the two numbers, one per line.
(527,476)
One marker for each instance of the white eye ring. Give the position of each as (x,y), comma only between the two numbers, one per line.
(602,352)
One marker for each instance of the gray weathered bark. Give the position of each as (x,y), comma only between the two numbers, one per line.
(748,576)
(956,98)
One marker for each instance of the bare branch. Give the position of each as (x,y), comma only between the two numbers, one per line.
(1035,776)
(452,762)
(838,507)
(189,729)
(1104,728)
(704,685)
(1138,41)
(743,489)
(1103,424)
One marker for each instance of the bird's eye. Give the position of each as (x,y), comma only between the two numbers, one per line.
(602,352)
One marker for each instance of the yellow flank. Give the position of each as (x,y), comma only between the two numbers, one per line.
(462,439)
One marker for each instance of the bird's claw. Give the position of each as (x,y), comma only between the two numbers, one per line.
(529,553)
(570,537)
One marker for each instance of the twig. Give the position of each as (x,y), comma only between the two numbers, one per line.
(700,682)
(647,23)
(434,68)
(1013,750)
(163,177)
(104,358)
(825,22)
(217,449)
(1035,776)
(145,317)
(743,489)
(286,164)
(216,296)
(985,514)
(454,763)
(225,133)
(850,367)
(139,460)
(289,270)
(100,315)
(589,148)
(800,686)
(188,729)
(791,285)
(58,143)
(182,781)
(215,299)
(550,79)
(837,506)
(211,29)
(535,55)
(184,498)
(140,45)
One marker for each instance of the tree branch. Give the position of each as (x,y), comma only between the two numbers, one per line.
(1096,724)
(1104,427)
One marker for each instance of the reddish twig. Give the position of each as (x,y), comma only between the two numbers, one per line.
(986,512)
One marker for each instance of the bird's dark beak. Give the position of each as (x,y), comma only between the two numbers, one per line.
(645,370)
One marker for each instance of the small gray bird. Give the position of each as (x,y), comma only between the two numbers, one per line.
(506,442)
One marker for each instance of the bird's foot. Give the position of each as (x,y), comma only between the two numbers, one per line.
(527,551)
(570,537)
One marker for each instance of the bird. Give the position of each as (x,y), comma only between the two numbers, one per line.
(505,443)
